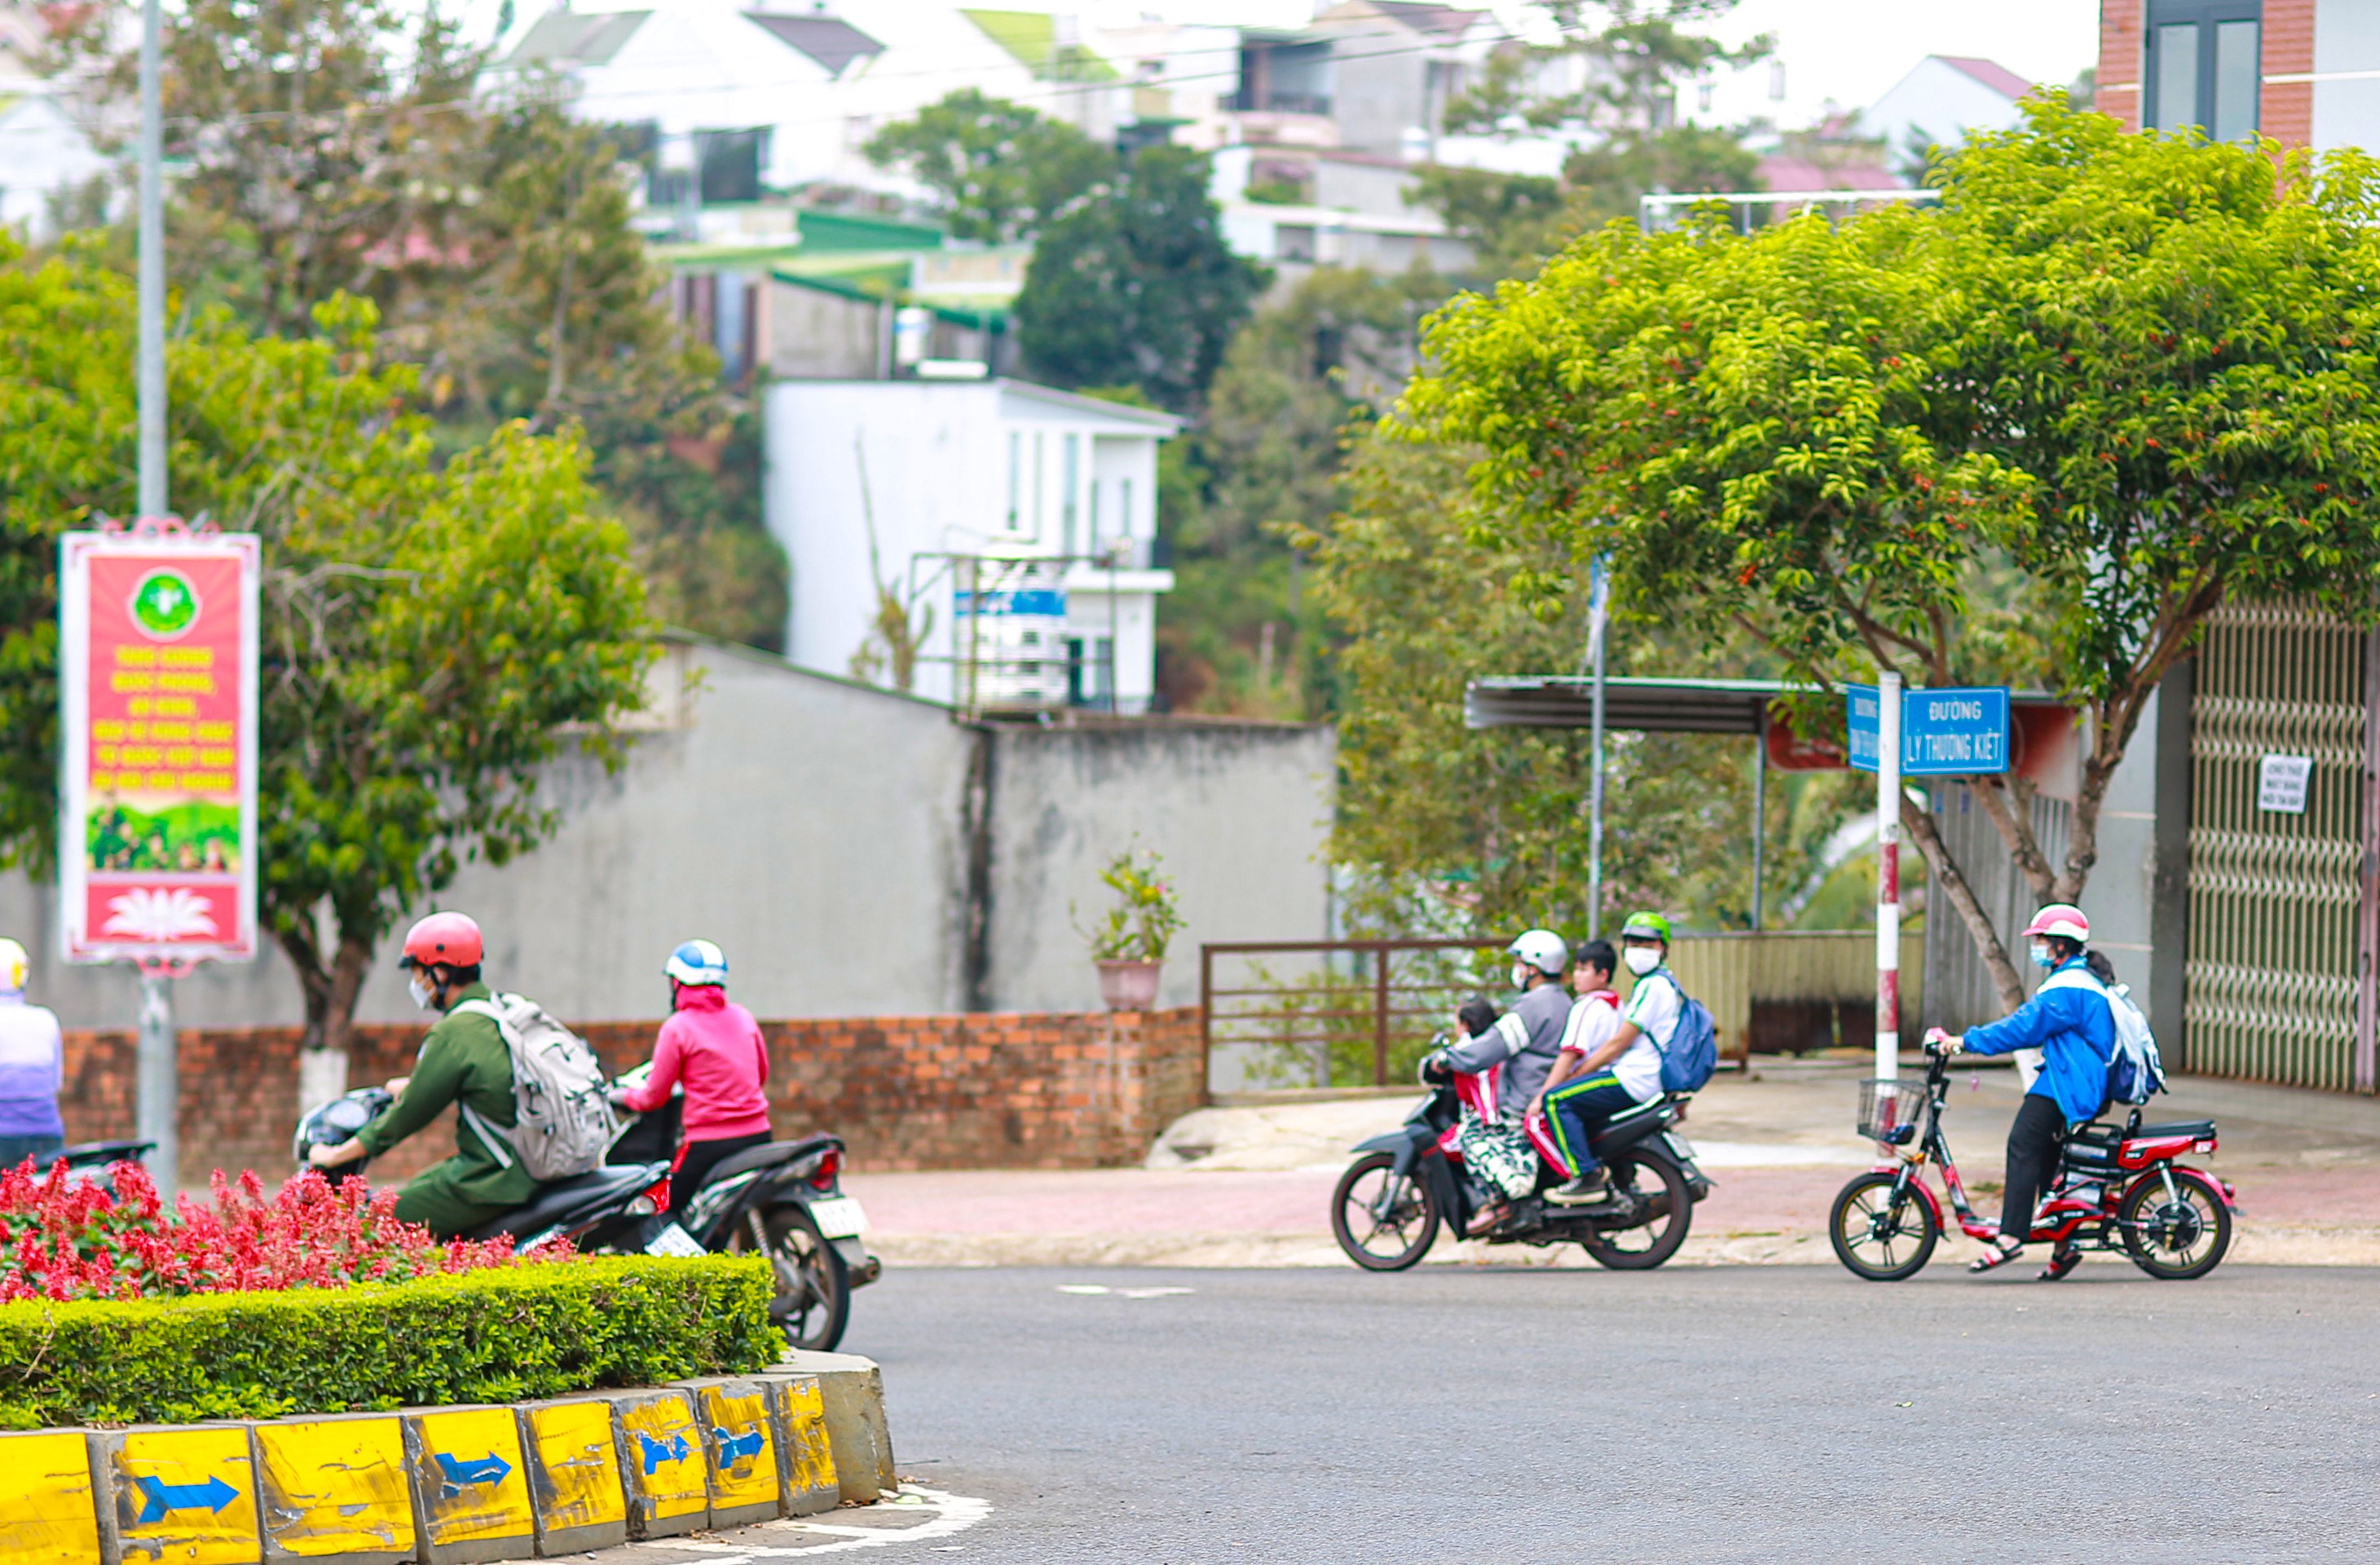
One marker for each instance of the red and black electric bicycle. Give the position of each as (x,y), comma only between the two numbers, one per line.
(2115,1190)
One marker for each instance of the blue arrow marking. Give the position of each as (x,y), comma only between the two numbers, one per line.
(212,1495)
(464,1472)
(734,1448)
(657,1453)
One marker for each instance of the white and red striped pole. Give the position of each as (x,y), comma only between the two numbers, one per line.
(1887,876)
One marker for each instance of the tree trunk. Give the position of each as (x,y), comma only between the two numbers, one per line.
(1945,873)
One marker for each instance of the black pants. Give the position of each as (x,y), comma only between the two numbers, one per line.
(696,1158)
(2034,1146)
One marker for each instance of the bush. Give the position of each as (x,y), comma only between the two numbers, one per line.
(496,1335)
(67,1238)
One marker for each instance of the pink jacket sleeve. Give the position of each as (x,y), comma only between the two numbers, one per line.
(667,1062)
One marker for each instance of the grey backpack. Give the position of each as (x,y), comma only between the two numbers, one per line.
(563,1122)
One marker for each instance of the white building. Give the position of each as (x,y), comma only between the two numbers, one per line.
(1942,100)
(906,497)
(44,155)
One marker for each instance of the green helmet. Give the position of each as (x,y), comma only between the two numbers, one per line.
(1645,926)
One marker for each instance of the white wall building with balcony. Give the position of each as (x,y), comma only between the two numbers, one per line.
(1010,526)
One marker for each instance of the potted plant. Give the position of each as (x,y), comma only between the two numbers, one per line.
(1128,945)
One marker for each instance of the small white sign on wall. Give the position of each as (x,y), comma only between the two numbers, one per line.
(2282,784)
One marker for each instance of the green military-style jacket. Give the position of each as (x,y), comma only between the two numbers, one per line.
(463,1059)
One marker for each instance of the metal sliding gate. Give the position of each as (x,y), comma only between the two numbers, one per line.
(2274,903)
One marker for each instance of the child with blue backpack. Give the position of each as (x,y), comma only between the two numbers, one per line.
(1620,1071)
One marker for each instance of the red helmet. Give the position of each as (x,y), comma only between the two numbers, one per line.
(2060,918)
(442,939)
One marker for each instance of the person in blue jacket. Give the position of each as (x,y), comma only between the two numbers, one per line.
(2069,1021)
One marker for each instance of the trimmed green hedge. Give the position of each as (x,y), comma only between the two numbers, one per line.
(501,1334)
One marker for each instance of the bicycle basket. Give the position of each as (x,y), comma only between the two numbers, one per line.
(1889,1110)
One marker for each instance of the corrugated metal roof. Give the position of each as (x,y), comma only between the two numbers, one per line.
(567,38)
(830,41)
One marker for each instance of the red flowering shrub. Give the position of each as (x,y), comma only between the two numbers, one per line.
(64,1238)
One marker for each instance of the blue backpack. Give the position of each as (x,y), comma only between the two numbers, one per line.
(1690,1054)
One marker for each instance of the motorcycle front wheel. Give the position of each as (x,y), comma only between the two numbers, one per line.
(813,1302)
(1385,1221)
(1877,1240)
(1669,1213)
(2175,1240)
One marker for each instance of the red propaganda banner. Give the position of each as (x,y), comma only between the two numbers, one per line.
(157,688)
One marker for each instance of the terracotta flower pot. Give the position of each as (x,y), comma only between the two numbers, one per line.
(1129,986)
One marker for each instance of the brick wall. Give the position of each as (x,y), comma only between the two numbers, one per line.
(904,1092)
(2121,50)
(2285,109)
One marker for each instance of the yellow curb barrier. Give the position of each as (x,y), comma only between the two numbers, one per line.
(48,1519)
(179,1494)
(804,1458)
(456,1486)
(663,1462)
(470,1485)
(335,1489)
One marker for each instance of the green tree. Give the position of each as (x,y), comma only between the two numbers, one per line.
(1237,632)
(1135,285)
(2035,436)
(999,171)
(434,631)
(340,146)
(1451,828)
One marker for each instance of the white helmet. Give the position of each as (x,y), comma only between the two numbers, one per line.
(13,964)
(695,962)
(1543,949)
(2060,918)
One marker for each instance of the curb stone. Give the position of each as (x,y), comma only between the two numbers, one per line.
(451,1486)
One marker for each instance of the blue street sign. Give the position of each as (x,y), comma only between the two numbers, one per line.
(1943,732)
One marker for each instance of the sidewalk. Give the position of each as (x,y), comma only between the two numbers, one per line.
(1250,1184)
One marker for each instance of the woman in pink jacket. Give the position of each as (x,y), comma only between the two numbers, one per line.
(715,1047)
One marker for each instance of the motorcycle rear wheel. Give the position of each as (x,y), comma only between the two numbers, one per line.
(813,1302)
(1372,1199)
(2174,1242)
(1874,1240)
(1647,1245)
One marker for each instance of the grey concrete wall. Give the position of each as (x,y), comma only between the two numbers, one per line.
(819,831)
(1240,812)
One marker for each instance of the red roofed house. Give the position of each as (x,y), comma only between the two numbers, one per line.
(1942,100)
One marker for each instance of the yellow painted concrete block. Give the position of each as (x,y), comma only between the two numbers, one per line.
(474,1478)
(743,1445)
(185,1496)
(45,1503)
(665,1443)
(808,1460)
(335,1486)
(578,1476)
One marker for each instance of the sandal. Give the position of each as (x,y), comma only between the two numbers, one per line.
(2006,1252)
(2063,1259)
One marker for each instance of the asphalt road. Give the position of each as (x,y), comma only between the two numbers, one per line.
(1783,1414)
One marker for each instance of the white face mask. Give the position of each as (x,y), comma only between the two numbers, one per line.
(423,995)
(1520,970)
(1642,959)
(2041,957)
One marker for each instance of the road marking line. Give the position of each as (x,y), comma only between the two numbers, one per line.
(944,1514)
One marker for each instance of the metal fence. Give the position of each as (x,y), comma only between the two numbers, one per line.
(1348,1013)
(2271,972)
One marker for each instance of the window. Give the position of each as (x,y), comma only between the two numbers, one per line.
(1123,508)
(1037,512)
(1095,513)
(1071,473)
(2203,66)
(1016,479)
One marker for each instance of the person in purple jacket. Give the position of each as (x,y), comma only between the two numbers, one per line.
(32,1069)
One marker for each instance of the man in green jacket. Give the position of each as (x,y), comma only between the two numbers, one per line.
(463,1060)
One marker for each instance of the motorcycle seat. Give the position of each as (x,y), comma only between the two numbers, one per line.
(767,1157)
(2194,1129)
(560,1198)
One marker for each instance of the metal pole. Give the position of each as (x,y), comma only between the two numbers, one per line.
(151,369)
(1760,811)
(1887,876)
(1597,598)
(1380,1019)
(158,1074)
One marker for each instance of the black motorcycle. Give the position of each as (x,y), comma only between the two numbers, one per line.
(1389,1204)
(783,1200)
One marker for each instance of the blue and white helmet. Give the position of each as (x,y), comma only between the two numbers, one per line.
(697,962)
